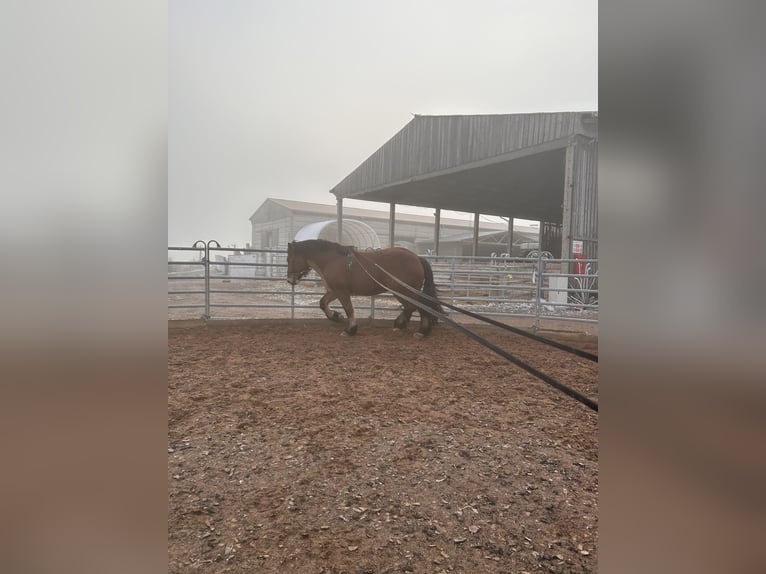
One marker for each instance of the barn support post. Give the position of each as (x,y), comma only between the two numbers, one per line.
(475,246)
(510,236)
(391,224)
(339,207)
(566,221)
(437,224)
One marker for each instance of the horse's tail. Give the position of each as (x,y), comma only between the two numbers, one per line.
(429,288)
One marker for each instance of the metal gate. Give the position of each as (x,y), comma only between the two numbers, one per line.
(211,282)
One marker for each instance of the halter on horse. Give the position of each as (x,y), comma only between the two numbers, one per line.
(346,272)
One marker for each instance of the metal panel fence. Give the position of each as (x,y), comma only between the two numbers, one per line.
(211,282)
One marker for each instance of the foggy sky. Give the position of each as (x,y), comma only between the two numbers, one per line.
(285,98)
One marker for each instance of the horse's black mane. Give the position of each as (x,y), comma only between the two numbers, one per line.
(323,245)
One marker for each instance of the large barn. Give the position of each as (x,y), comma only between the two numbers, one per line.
(278,221)
(540,166)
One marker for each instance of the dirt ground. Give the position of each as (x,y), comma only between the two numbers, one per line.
(293,449)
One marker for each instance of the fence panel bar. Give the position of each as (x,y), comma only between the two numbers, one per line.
(495,286)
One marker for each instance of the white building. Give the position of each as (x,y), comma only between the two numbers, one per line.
(277,221)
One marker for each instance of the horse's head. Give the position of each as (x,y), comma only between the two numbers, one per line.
(297,264)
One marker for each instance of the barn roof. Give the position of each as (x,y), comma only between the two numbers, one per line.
(508,165)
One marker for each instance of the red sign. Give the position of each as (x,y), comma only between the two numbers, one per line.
(577,249)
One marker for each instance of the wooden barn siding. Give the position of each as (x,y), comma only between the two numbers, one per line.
(585,196)
(433,143)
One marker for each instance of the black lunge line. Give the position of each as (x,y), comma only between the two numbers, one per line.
(505,354)
(562,346)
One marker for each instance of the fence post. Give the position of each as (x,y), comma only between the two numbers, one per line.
(206,314)
(452,286)
(206,262)
(207,276)
(539,290)
(207,285)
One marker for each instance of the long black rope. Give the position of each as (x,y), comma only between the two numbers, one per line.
(516,361)
(562,346)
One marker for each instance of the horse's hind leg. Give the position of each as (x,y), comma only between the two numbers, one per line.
(345,300)
(426,322)
(403,319)
(324,304)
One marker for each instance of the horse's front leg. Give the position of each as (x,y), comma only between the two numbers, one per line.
(324,304)
(345,300)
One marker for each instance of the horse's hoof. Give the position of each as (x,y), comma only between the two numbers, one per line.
(335,317)
(350,331)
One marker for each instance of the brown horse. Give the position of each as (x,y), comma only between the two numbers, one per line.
(346,271)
